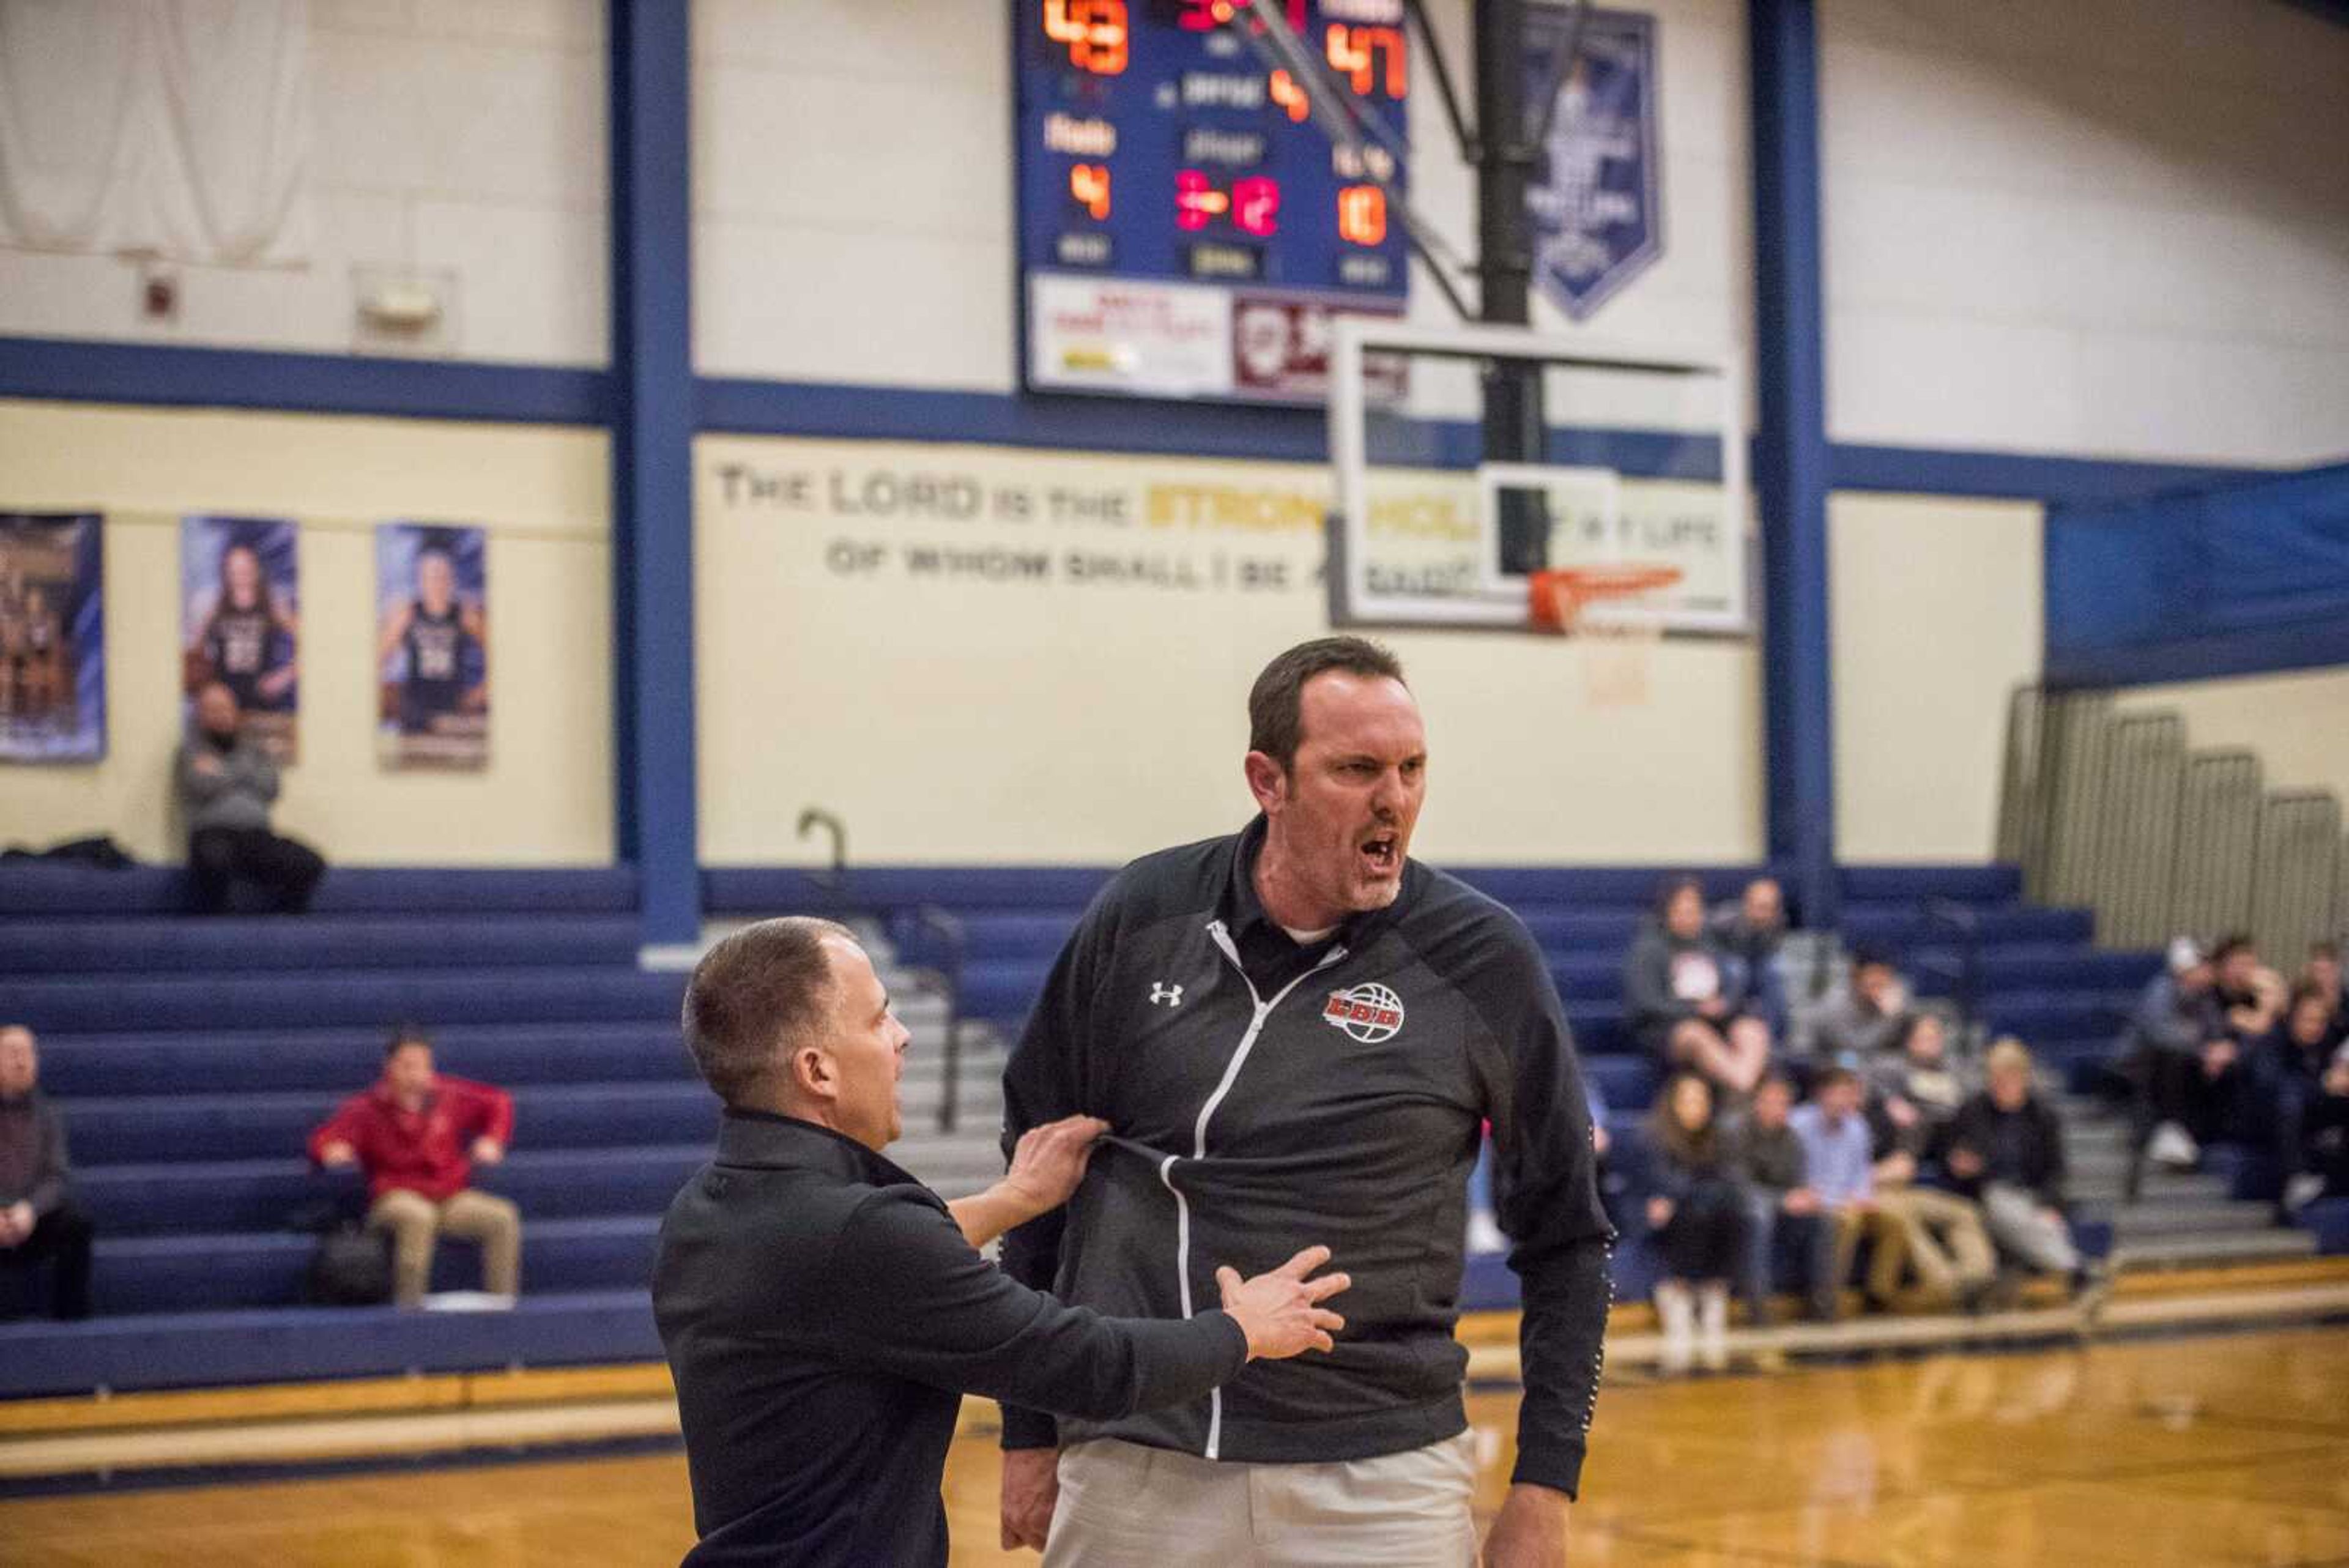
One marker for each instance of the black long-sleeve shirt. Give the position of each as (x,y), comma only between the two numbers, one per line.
(1267,1095)
(2021,1148)
(34,1166)
(822,1316)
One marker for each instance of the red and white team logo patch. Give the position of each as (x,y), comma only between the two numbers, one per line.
(1370,1013)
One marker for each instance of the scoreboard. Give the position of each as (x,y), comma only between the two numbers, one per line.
(1187,226)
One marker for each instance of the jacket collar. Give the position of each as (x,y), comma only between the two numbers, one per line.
(767,1142)
(1244,910)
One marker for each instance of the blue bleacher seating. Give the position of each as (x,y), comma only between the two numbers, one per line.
(194,1056)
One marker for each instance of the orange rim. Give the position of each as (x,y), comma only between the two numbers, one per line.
(1555,595)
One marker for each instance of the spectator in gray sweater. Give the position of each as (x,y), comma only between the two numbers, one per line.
(1685,995)
(1780,1204)
(1860,1018)
(39,1221)
(226,784)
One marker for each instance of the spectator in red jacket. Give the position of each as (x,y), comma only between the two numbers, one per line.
(418,1135)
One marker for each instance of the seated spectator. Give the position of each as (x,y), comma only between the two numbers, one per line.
(2178,1058)
(2252,996)
(1696,1208)
(1485,1234)
(2323,973)
(1936,1237)
(1857,1019)
(2325,1134)
(2291,1065)
(1684,996)
(2006,1153)
(39,1220)
(1781,1208)
(1752,931)
(226,783)
(1837,1146)
(418,1135)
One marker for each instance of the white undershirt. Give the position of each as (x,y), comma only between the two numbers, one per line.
(1307,939)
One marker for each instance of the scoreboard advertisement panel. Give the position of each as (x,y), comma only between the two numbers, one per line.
(1188,228)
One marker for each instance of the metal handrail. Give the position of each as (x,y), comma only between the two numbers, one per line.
(1955,916)
(949,929)
(835,875)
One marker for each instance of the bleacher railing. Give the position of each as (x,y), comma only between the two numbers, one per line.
(2110,811)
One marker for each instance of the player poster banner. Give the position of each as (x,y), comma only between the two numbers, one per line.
(52,639)
(240,620)
(432,645)
(1597,217)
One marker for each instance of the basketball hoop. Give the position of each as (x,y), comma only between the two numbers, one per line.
(1574,601)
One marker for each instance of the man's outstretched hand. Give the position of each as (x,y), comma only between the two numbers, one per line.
(1281,1311)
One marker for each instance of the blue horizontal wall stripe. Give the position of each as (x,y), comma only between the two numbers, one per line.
(734,407)
(77,370)
(2021,476)
(84,370)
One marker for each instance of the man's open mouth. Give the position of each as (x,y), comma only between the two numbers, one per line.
(1382,853)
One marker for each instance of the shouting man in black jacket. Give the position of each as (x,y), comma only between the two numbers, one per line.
(1298,1032)
(824,1311)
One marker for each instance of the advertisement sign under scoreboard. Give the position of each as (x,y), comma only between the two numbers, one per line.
(1188,228)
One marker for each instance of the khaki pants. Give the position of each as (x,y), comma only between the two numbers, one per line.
(416,1222)
(1937,1234)
(1124,1506)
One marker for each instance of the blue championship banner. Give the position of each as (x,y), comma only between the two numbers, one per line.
(1597,220)
(52,639)
(432,645)
(240,620)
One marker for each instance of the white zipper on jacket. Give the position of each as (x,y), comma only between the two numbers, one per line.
(1222,940)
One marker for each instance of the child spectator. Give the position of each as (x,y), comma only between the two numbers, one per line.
(1782,1211)
(2006,1152)
(1857,1019)
(1696,1210)
(2291,1065)
(1684,994)
(1836,1147)
(2251,994)
(1936,1236)
(418,1135)
(2174,1055)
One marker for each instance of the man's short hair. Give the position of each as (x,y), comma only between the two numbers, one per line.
(403,1035)
(1869,957)
(1277,700)
(2323,948)
(754,997)
(2230,945)
(2007,1052)
(1833,1078)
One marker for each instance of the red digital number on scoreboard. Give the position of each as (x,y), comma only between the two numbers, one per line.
(1088,183)
(1095,32)
(1354,54)
(1253,205)
(1206,15)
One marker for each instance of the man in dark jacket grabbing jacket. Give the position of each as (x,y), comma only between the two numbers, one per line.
(1295,1034)
(824,1311)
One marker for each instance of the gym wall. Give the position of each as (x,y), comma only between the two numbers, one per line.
(2038,234)
(545,797)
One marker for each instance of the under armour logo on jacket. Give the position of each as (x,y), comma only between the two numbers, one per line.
(1171,995)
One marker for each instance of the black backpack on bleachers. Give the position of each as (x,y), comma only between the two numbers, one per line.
(352,1267)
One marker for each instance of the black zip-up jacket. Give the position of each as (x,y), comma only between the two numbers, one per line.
(2024,1147)
(822,1316)
(1266,1096)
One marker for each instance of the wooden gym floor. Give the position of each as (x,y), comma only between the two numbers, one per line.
(2174,1453)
